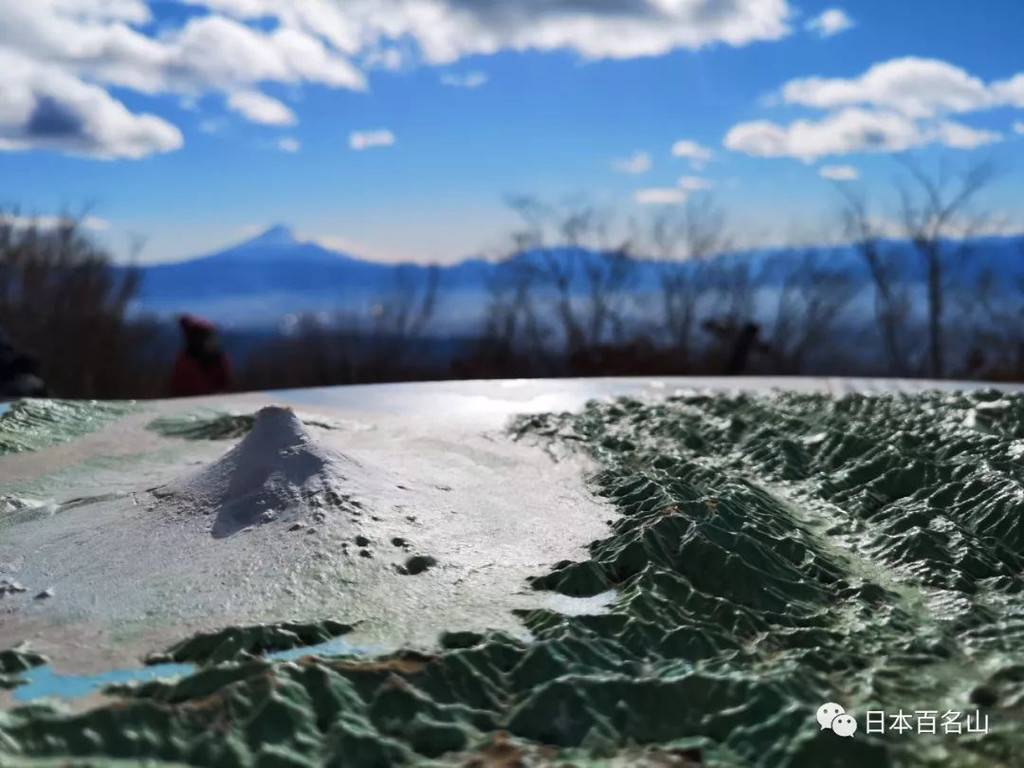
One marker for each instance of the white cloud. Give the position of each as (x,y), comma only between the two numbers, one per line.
(41,106)
(1010,92)
(216,52)
(208,52)
(839,172)
(849,131)
(914,86)
(448,30)
(998,224)
(782,234)
(830,22)
(260,108)
(53,222)
(960,136)
(289,145)
(660,196)
(360,140)
(212,125)
(358,248)
(468,80)
(639,162)
(694,183)
(249,231)
(694,152)
(894,106)
(58,58)
(93,223)
(228,47)
(388,59)
(1018,127)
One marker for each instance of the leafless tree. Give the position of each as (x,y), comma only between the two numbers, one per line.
(731,285)
(571,283)
(936,217)
(511,326)
(992,312)
(891,295)
(683,238)
(378,343)
(399,320)
(62,298)
(811,302)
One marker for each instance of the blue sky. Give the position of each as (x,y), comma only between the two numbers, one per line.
(395,128)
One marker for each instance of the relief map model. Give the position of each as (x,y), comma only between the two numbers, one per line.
(689,580)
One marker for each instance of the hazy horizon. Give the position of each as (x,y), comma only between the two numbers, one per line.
(342,248)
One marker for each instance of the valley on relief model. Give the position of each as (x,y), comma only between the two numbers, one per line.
(659,578)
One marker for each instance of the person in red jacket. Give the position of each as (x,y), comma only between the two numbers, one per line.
(202,368)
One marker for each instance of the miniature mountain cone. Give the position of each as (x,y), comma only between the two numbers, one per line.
(277,472)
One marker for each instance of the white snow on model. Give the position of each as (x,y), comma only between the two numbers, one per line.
(278,472)
(407,508)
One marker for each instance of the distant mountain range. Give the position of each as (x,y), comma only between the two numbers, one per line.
(262,280)
(259,282)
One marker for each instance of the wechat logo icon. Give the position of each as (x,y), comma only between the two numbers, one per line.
(833,717)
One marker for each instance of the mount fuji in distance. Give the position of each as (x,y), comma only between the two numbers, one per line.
(259,282)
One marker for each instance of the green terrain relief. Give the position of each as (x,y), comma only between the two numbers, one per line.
(772,554)
(14,661)
(239,643)
(204,425)
(29,425)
